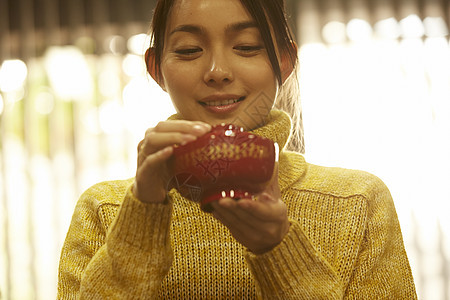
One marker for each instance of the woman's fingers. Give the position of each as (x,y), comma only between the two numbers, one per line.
(152,174)
(258,225)
(149,185)
(171,132)
(196,128)
(156,159)
(155,141)
(228,210)
(264,210)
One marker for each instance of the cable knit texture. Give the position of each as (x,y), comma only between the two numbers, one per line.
(344,242)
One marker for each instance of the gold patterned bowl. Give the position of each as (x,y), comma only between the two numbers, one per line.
(225,162)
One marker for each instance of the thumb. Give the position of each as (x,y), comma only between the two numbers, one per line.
(265,197)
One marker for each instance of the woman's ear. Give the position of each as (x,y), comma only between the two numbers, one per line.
(152,68)
(287,65)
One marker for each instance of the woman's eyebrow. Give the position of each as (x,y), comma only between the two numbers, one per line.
(187,28)
(194,29)
(240,26)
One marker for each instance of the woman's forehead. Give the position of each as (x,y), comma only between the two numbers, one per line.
(207,11)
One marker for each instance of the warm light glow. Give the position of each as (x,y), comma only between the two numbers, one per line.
(437,67)
(334,32)
(111,117)
(115,44)
(109,83)
(13,74)
(137,44)
(435,27)
(359,30)
(387,29)
(412,50)
(2,105)
(44,103)
(133,65)
(313,60)
(14,96)
(110,76)
(90,121)
(69,73)
(412,27)
(145,104)
(384,107)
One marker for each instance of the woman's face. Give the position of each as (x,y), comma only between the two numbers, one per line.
(214,65)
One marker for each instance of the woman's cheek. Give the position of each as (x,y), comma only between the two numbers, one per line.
(178,77)
(258,76)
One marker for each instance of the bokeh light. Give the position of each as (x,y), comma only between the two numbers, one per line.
(12,75)
(44,102)
(334,32)
(412,27)
(359,30)
(69,73)
(111,118)
(435,27)
(145,104)
(2,104)
(387,29)
(14,96)
(133,65)
(90,121)
(137,44)
(115,44)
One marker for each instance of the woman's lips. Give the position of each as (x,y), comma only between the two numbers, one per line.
(221,104)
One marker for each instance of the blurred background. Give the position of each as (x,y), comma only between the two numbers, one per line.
(75,101)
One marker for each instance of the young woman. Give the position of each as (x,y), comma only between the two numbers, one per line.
(314,233)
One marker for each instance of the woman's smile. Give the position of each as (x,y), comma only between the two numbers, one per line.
(221,103)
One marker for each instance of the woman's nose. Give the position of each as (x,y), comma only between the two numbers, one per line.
(218,70)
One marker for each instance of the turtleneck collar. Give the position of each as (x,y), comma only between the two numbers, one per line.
(277,128)
(291,166)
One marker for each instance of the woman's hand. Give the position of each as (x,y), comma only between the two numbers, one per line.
(153,174)
(259,224)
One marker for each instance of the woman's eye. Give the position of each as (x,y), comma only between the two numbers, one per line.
(248,48)
(188,51)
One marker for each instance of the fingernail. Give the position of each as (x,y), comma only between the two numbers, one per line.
(166,150)
(202,128)
(187,138)
(264,197)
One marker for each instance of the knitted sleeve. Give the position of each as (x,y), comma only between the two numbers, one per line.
(128,260)
(382,270)
(366,260)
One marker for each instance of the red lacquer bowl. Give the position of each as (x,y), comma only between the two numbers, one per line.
(225,162)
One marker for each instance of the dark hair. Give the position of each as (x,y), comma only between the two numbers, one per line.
(270,16)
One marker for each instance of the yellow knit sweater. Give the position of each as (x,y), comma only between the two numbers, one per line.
(344,242)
